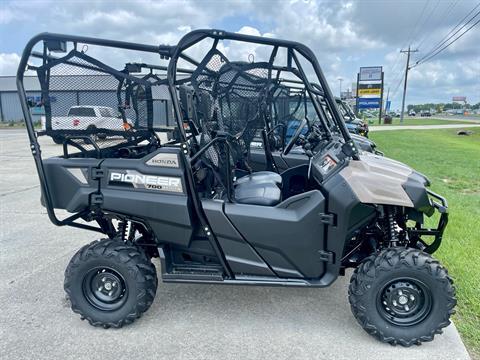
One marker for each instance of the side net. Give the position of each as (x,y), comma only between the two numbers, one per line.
(232,98)
(85,98)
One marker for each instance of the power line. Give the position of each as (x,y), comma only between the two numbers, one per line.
(451,33)
(446,46)
(441,18)
(419,25)
(394,93)
(451,36)
(414,29)
(409,38)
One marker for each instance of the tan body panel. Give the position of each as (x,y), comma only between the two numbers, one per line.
(378,180)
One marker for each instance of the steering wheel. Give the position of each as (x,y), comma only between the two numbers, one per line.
(294,138)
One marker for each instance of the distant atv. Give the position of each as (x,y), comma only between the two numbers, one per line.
(86,118)
(354,124)
(278,139)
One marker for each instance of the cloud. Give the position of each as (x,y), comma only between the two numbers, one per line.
(343,34)
(9,63)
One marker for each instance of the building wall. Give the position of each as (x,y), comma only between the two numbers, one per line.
(10,106)
(10,109)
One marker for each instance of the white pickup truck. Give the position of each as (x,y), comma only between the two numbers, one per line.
(87,117)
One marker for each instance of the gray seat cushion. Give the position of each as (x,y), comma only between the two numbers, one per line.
(261,177)
(266,194)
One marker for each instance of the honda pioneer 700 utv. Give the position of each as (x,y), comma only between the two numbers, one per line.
(194,201)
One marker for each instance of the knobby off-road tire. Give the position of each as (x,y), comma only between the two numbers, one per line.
(402,296)
(110,283)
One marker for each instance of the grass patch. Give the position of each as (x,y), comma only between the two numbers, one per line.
(452,163)
(18,125)
(421,121)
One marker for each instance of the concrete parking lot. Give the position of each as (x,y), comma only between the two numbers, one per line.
(185,321)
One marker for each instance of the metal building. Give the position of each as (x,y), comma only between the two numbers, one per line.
(95,90)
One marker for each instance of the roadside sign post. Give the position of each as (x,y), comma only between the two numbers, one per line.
(381,103)
(370,89)
(356,95)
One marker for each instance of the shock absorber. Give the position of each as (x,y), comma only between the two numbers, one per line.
(390,212)
(122,230)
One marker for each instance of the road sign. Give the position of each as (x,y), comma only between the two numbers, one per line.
(387,107)
(370,89)
(370,85)
(370,73)
(369,103)
(369,92)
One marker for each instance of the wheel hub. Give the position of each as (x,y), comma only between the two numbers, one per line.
(405,302)
(104,288)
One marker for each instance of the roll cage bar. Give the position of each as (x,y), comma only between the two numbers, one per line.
(53,42)
(292,47)
(57,42)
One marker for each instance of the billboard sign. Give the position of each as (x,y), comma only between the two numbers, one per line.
(459,98)
(369,103)
(369,92)
(369,85)
(371,73)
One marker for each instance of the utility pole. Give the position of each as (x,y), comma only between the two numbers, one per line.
(340,81)
(405,83)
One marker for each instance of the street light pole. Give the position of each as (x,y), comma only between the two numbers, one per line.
(405,83)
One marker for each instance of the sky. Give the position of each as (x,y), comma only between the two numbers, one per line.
(344,34)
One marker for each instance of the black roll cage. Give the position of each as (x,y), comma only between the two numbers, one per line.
(54,40)
(197,36)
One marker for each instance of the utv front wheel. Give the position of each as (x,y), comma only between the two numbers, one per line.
(402,296)
(110,283)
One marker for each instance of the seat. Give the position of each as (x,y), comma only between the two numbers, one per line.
(261,177)
(258,193)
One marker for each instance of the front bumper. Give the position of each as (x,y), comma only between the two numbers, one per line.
(439,203)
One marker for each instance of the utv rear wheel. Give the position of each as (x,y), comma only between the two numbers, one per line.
(402,296)
(110,283)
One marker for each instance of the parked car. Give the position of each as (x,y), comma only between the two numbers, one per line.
(87,117)
(426,113)
(412,113)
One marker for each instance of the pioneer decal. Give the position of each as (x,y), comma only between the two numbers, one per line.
(164,160)
(142,181)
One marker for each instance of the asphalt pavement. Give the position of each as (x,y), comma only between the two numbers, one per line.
(184,322)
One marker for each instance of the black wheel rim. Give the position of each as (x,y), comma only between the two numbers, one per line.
(104,288)
(404,301)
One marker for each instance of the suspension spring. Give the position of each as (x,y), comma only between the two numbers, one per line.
(122,230)
(391,227)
